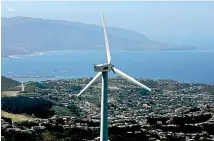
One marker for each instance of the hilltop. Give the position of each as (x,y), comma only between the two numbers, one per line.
(24,35)
(7,83)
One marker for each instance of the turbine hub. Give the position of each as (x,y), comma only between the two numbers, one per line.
(103,67)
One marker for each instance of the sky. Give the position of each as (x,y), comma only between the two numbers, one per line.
(190,23)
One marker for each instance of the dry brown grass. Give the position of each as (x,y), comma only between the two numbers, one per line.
(16,117)
(9,93)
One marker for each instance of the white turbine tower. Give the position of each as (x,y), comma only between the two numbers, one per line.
(103,70)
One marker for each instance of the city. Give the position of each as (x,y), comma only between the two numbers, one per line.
(171,110)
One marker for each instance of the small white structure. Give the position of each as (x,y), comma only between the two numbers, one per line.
(23,87)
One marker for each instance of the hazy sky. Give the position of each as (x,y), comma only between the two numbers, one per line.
(173,22)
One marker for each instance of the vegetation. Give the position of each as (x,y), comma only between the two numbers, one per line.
(75,88)
(16,117)
(75,109)
(9,93)
(31,106)
(76,134)
(62,111)
(48,136)
(128,105)
(70,110)
(30,88)
(8,84)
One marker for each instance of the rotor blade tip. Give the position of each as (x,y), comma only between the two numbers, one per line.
(147,88)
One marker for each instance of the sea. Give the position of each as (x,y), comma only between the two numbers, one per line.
(184,66)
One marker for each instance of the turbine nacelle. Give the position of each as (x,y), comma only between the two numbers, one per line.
(106,67)
(102,71)
(103,67)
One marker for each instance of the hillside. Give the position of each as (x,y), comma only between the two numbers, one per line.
(29,106)
(23,35)
(172,111)
(7,83)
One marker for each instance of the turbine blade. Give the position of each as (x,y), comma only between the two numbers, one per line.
(106,40)
(122,74)
(90,83)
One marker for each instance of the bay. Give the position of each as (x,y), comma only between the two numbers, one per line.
(183,66)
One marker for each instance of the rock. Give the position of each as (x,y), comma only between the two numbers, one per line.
(38,128)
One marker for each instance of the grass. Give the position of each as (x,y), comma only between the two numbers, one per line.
(48,136)
(16,117)
(9,93)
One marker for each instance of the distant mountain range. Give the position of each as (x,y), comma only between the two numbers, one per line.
(24,35)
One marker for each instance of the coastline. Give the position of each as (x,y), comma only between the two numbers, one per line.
(16,56)
(52,78)
(178,65)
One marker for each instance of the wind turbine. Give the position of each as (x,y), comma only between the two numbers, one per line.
(103,70)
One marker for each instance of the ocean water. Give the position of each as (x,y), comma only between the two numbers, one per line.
(183,66)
